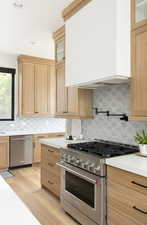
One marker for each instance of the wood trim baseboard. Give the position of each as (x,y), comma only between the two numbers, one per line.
(73,8)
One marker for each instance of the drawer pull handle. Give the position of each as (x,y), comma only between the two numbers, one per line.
(50,150)
(50,182)
(139,210)
(140,185)
(50,164)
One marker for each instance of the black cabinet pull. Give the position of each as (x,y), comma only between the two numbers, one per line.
(140,185)
(50,150)
(50,182)
(50,164)
(139,210)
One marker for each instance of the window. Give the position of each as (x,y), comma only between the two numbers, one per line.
(6,94)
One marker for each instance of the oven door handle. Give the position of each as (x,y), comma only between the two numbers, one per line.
(76,173)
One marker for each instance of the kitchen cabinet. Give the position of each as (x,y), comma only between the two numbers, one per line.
(139,13)
(37,145)
(61,90)
(4,153)
(139,74)
(92,57)
(70,102)
(50,172)
(34,86)
(126,198)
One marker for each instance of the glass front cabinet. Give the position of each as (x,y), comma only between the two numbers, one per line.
(139,13)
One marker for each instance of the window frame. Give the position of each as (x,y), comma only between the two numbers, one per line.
(12,72)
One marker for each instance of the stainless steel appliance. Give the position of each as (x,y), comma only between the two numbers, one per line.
(83,179)
(20,150)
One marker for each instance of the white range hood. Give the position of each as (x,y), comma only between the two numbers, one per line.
(111,80)
(98,44)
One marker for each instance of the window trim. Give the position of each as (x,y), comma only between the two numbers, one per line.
(12,72)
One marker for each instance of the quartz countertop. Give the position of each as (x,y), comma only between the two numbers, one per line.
(132,163)
(13,210)
(15,133)
(58,142)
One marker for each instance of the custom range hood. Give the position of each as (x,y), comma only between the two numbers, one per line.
(111,80)
(98,45)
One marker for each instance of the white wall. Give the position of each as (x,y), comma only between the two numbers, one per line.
(8,60)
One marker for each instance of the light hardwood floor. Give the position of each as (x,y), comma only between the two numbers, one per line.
(45,206)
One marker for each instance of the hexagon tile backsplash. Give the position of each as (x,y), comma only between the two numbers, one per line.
(115,98)
(34,124)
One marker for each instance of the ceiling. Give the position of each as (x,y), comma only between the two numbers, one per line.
(28,30)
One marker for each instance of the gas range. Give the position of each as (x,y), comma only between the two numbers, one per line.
(83,178)
(90,156)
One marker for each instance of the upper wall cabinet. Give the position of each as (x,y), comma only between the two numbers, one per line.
(70,102)
(139,13)
(98,43)
(59,37)
(35,76)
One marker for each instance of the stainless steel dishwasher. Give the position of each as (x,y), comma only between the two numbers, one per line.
(21,150)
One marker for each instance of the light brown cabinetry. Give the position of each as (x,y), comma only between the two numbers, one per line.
(50,172)
(37,145)
(139,76)
(4,153)
(70,102)
(73,8)
(61,90)
(34,86)
(126,198)
(139,60)
(139,13)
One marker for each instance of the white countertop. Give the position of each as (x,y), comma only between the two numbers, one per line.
(12,209)
(15,133)
(131,163)
(58,142)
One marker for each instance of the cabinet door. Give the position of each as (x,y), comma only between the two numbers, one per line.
(41,89)
(139,13)
(4,153)
(73,101)
(139,70)
(61,91)
(60,50)
(28,89)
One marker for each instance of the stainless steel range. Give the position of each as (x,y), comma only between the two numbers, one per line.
(83,179)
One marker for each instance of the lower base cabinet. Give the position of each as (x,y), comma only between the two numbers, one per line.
(126,198)
(50,172)
(37,145)
(4,153)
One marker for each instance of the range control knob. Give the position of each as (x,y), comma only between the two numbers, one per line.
(78,162)
(97,169)
(73,160)
(91,166)
(85,164)
(64,156)
(69,158)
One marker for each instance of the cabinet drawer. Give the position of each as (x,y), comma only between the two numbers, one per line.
(50,154)
(130,180)
(127,201)
(50,181)
(51,167)
(115,217)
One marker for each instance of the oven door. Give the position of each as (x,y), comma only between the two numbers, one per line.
(84,191)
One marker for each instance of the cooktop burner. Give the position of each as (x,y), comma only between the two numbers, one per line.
(104,149)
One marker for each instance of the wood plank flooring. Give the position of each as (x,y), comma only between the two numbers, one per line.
(44,205)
